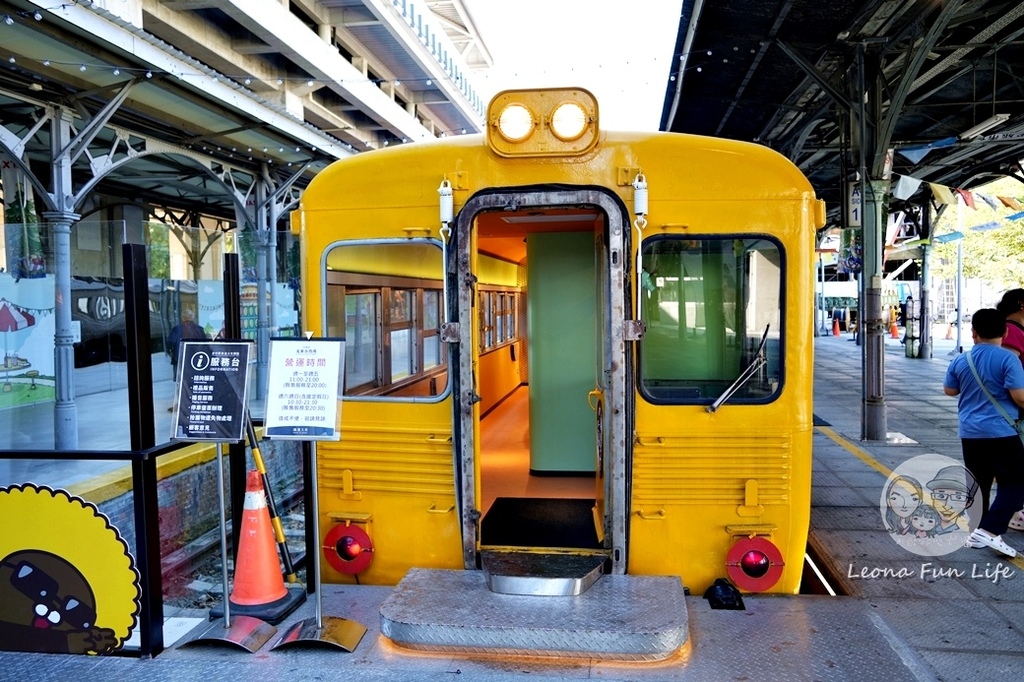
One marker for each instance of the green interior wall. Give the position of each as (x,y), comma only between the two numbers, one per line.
(561,305)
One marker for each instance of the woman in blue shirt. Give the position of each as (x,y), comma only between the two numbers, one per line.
(992,449)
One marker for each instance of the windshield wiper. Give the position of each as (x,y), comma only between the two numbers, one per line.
(757,363)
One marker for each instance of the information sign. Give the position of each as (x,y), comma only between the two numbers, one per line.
(212,391)
(304,384)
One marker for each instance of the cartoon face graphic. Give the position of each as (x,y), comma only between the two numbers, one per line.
(949,503)
(925,519)
(904,496)
(927,505)
(51,602)
(67,581)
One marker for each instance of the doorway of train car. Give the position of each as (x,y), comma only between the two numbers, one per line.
(545,359)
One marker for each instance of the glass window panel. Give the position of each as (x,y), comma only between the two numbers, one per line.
(361,339)
(401,354)
(707,303)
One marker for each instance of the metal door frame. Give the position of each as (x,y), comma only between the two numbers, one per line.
(463,284)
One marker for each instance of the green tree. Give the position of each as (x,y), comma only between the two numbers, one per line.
(995,254)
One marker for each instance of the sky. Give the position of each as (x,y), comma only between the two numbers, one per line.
(622,52)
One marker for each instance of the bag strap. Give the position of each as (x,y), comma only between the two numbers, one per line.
(974,371)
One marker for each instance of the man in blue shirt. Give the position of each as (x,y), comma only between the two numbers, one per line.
(992,449)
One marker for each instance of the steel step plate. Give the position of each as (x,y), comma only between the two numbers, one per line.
(554,575)
(619,618)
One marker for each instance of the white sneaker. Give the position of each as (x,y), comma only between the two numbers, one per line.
(982,538)
(1017,521)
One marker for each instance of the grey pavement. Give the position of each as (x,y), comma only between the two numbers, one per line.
(957,616)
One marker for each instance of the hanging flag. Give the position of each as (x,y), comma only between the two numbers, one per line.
(1010,202)
(991,225)
(966,196)
(988,199)
(1015,216)
(917,152)
(941,193)
(905,187)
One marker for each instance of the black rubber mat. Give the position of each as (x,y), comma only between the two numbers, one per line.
(540,522)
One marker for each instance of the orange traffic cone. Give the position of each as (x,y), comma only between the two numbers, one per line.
(259,589)
(893,331)
(835,326)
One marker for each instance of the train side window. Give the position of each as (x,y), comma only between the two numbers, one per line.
(385,299)
(706,303)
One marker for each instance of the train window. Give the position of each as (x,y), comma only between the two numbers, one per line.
(496,317)
(385,299)
(707,303)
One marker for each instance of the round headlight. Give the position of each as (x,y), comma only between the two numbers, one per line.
(568,121)
(515,123)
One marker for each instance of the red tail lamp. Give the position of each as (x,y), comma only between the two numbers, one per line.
(754,564)
(348,549)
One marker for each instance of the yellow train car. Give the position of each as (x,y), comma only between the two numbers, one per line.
(566,341)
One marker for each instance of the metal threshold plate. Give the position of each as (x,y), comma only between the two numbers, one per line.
(628,618)
(556,575)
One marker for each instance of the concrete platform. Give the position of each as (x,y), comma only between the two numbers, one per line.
(776,638)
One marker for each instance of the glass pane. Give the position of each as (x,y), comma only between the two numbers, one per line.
(401,307)
(431,340)
(361,340)
(401,354)
(707,303)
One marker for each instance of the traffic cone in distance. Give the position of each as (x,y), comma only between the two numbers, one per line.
(835,326)
(259,590)
(893,331)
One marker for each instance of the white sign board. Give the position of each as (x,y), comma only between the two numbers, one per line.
(304,384)
(854,205)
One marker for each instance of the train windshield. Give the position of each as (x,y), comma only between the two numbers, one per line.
(706,303)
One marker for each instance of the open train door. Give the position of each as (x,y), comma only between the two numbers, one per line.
(566,225)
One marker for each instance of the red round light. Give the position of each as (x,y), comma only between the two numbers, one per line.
(348,548)
(755,563)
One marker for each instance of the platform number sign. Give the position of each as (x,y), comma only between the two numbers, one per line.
(854,204)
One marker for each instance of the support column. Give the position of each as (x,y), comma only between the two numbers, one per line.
(273,213)
(925,349)
(65,411)
(872,327)
(262,321)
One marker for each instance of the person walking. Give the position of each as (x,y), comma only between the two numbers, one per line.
(187,329)
(988,381)
(1011,305)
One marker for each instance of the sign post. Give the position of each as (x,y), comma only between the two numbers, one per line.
(304,386)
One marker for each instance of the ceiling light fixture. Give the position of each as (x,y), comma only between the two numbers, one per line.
(983,127)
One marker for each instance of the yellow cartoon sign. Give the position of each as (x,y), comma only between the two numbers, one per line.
(67,581)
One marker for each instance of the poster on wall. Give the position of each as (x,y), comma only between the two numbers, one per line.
(23,245)
(27,327)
